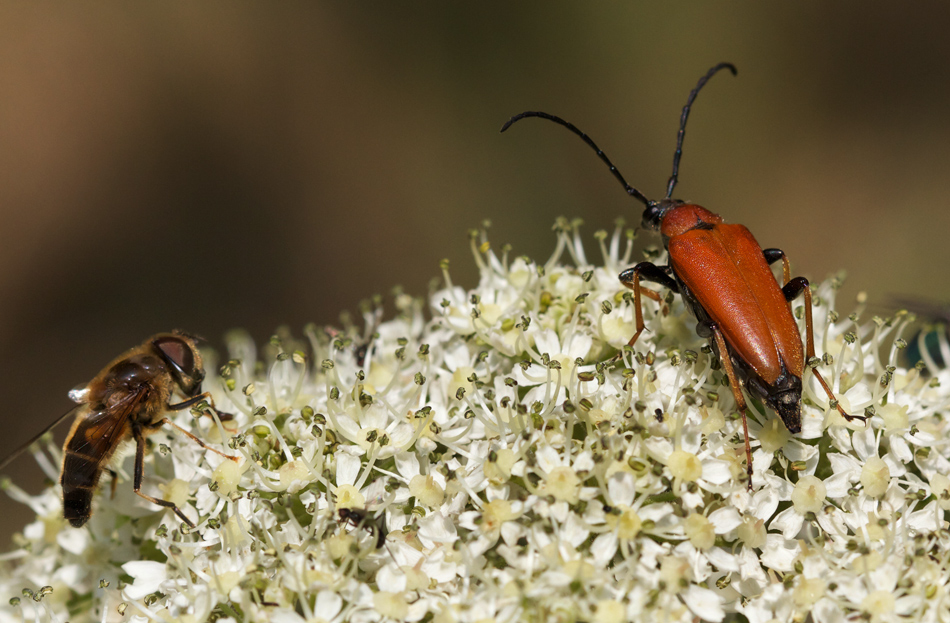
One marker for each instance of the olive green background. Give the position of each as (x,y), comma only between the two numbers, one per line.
(209,165)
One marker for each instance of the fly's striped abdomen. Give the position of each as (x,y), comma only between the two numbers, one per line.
(79,479)
(91,443)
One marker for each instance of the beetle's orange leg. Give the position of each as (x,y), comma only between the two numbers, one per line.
(791,290)
(774,255)
(651,294)
(649,272)
(736,393)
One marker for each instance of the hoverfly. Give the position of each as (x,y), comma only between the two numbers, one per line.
(127,401)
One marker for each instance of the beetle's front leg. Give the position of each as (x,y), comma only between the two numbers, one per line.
(774,255)
(793,290)
(648,272)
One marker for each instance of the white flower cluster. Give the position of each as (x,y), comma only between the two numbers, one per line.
(493,461)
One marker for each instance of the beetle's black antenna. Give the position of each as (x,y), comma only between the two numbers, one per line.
(679,136)
(633,192)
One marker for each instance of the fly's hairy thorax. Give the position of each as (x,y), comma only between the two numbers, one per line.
(140,378)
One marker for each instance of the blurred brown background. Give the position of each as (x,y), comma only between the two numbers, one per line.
(209,166)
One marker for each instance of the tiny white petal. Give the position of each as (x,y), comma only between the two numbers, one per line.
(285,615)
(779,553)
(437,528)
(704,603)
(347,468)
(789,521)
(765,502)
(621,487)
(723,560)
(725,519)
(864,443)
(548,458)
(716,472)
(148,576)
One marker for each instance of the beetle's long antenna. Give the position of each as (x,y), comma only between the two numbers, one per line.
(633,192)
(679,137)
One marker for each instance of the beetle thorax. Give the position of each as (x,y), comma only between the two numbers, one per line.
(686,216)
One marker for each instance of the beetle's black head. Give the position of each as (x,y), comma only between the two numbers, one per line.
(789,407)
(656,210)
(180,354)
(783,395)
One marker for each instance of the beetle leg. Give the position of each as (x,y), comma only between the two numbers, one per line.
(648,272)
(791,291)
(140,471)
(736,393)
(704,329)
(651,294)
(774,255)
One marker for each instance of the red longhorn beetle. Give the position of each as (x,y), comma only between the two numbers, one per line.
(724,277)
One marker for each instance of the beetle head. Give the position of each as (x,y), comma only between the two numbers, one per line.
(656,210)
(784,395)
(789,407)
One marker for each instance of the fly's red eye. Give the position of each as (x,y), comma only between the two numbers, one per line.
(178,353)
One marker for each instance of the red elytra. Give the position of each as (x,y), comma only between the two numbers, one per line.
(725,270)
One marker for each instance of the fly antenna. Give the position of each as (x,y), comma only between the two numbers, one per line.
(23,448)
(679,136)
(633,192)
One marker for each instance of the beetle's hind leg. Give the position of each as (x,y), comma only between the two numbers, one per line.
(736,393)
(792,290)
(646,271)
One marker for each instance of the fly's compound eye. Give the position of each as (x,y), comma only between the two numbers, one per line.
(180,355)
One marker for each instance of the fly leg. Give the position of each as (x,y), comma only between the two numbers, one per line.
(196,439)
(114,480)
(736,393)
(140,471)
(190,403)
(791,291)
(206,396)
(646,271)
